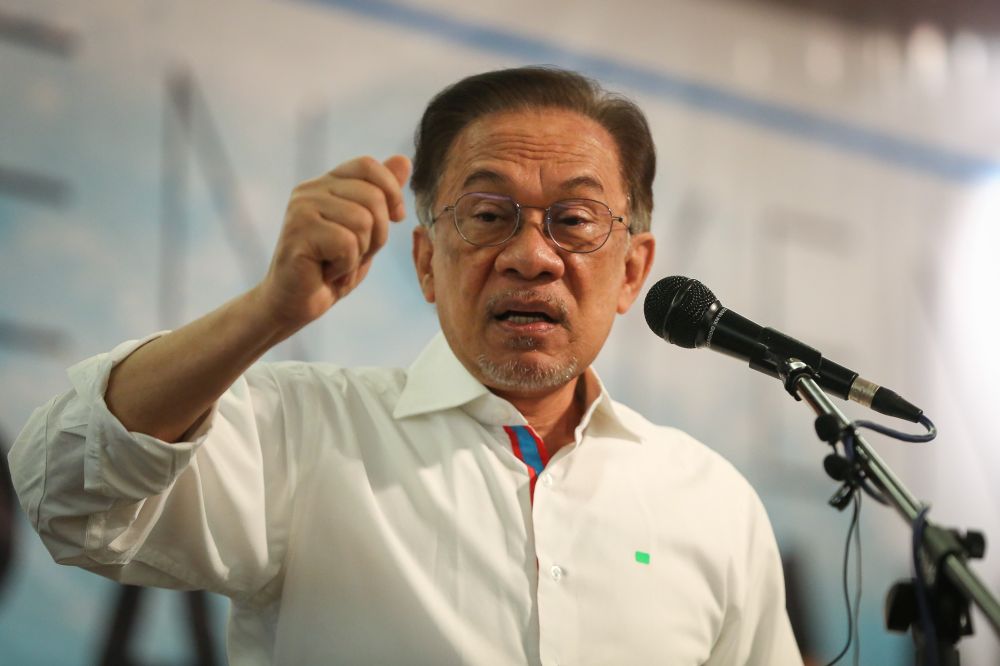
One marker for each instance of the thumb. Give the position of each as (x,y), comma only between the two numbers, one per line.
(400,167)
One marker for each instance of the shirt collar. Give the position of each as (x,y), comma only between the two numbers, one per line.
(603,417)
(437,381)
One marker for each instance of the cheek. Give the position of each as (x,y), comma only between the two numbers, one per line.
(444,270)
(599,292)
(599,278)
(460,278)
(464,268)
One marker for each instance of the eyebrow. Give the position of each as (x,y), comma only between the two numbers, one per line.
(494,178)
(583,181)
(484,176)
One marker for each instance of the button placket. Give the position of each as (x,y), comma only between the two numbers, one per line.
(555,594)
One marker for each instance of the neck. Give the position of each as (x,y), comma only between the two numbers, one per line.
(556,414)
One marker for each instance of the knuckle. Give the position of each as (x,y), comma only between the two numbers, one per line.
(360,216)
(299,217)
(350,251)
(305,187)
(375,202)
(368,163)
(297,203)
(294,202)
(345,236)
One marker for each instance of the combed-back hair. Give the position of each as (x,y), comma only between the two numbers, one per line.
(526,88)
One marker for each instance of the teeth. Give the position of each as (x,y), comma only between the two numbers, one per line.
(526,319)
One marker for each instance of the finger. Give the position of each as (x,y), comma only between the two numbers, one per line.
(356,219)
(317,214)
(337,249)
(371,226)
(400,166)
(347,282)
(376,173)
(359,191)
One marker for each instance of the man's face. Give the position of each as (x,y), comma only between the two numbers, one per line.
(526,317)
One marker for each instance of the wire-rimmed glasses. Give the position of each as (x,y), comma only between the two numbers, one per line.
(576,225)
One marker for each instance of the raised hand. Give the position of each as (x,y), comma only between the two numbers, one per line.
(333,227)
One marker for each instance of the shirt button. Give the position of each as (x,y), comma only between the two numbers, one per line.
(556,572)
(547,479)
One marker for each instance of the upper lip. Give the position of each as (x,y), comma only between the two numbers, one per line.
(551,308)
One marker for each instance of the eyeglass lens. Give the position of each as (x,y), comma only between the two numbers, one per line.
(579,225)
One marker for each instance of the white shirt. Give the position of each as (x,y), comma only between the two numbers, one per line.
(380,516)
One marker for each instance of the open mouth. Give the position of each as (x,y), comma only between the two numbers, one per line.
(524,317)
(526,311)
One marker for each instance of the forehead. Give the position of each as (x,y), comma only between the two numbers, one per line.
(538,148)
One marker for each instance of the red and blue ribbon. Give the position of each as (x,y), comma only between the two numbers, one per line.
(529,449)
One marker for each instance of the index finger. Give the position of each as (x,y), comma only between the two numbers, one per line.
(369,169)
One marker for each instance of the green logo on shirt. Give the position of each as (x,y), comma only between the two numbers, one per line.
(641,557)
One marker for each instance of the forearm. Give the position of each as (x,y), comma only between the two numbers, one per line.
(167,385)
(333,226)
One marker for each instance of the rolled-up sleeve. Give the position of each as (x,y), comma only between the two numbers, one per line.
(209,512)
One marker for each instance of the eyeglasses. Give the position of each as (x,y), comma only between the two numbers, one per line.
(576,225)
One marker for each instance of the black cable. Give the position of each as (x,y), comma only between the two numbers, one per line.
(897,434)
(860,481)
(847,593)
(847,438)
(858,581)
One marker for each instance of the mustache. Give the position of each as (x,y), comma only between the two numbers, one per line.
(553,302)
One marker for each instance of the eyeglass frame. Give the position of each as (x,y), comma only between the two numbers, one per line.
(547,220)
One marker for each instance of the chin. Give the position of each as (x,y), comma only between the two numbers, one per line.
(525,374)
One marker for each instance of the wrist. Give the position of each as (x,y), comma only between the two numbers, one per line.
(263,318)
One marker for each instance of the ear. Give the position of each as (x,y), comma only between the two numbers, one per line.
(638,261)
(423,253)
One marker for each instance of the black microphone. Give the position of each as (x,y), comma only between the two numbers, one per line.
(685,312)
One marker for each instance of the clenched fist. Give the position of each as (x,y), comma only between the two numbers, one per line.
(333,227)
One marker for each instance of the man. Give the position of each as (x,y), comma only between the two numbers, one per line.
(490,505)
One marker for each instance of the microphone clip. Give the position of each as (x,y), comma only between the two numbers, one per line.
(790,370)
(839,468)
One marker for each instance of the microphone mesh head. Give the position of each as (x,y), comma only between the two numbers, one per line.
(675,308)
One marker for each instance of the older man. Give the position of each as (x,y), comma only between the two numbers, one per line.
(489,505)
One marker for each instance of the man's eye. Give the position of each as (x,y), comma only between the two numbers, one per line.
(489,216)
(574,219)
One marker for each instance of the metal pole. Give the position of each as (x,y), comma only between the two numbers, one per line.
(955,567)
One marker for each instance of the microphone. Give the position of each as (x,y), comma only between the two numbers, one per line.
(685,312)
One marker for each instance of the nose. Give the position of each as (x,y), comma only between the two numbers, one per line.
(530,255)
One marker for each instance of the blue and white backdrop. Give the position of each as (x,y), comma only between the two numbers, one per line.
(836,183)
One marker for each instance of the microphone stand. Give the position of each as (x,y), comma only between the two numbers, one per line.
(945,550)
